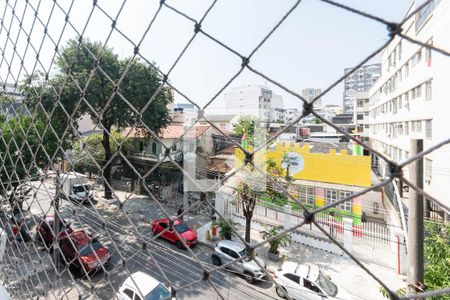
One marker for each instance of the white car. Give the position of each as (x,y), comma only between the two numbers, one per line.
(227,251)
(305,282)
(141,286)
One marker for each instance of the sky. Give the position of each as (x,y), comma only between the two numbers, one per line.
(311,48)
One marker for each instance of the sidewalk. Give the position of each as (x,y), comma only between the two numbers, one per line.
(143,208)
(344,272)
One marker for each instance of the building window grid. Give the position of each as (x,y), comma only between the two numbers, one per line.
(331,196)
(428,129)
(428,90)
(347,205)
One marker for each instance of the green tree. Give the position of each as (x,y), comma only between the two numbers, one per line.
(115,93)
(436,259)
(252,128)
(248,198)
(93,145)
(277,240)
(22,153)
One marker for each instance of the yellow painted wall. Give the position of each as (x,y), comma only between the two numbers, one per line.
(339,168)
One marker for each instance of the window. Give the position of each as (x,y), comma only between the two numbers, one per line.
(311,286)
(428,54)
(428,90)
(359,116)
(419,91)
(406,128)
(416,126)
(360,103)
(347,205)
(400,50)
(233,254)
(331,196)
(428,129)
(413,94)
(292,277)
(129,293)
(136,297)
(419,56)
(307,193)
(154,148)
(428,168)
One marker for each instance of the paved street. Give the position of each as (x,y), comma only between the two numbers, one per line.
(124,234)
(127,235)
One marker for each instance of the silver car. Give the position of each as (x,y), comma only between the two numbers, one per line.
(227,251)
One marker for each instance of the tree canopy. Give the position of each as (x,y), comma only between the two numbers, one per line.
(23,152)
(116,93)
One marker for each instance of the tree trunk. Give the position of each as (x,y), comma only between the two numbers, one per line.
(107,164)
(248,224)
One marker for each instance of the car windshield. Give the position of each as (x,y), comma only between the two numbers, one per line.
(327,285)
(158,293)
(89,248)
(180,228)
(81,188)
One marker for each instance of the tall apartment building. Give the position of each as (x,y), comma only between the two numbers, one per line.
(359,81)
(411,98)
(310,93)
(255,100)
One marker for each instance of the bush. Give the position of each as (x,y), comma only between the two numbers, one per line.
(226,228)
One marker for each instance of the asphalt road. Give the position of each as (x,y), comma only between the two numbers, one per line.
(128,239)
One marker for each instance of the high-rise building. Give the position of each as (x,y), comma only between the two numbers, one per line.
(359,81)
(411,100)
(310,93)
(255,100)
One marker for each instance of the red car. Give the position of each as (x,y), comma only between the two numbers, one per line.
(84,252)
(188,235)
(45,233)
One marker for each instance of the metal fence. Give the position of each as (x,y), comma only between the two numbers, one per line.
(91,79)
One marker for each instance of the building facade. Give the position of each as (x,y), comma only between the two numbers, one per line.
(310,93)
(13,104)
(255,100)
(411,100)
(361,115)
(359,81)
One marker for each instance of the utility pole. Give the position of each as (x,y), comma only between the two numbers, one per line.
(415,222)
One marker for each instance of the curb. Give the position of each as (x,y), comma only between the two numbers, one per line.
(205,244)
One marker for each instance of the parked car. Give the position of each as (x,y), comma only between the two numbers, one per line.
(45,233)
(305,282)
(18,229)
(84,252)
(227,251)
(189,235)
(141,286)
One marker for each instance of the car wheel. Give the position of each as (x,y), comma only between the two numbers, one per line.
(216,261)
(249,277)
(281,291)
(179,244)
